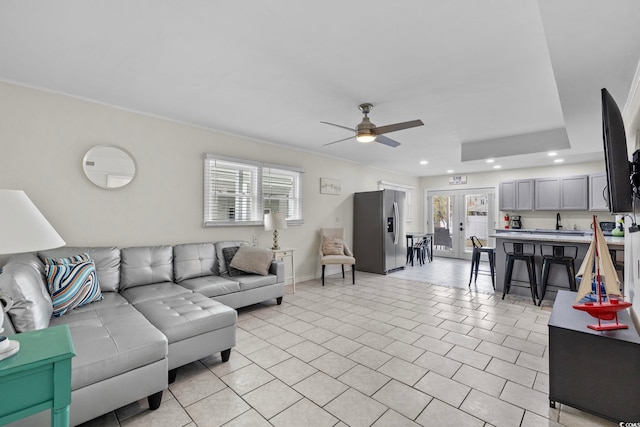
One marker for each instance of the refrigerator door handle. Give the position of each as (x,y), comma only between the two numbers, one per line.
(396,214)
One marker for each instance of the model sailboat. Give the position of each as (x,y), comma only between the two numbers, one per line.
(609,299)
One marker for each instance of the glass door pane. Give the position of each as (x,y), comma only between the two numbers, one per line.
(443,211)
(455,215)
(476,219)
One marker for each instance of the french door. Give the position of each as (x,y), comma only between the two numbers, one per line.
(453,216)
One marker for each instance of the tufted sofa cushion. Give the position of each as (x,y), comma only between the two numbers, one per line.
(193,260)
(212,286)
(146,265)
(110,341)
(139,294)
(187,315)
(253,281)
(106,259)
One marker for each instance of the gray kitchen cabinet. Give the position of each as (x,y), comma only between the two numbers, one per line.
(574,195)
(547,194)
(516,195)
(507,196)
(524,194)
(567,193)
(597,192)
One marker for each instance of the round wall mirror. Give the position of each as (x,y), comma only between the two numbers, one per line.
(108,166)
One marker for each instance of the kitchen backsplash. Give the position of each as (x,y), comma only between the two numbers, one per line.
(547,219)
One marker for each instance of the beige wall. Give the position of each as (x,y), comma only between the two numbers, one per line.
(44,137)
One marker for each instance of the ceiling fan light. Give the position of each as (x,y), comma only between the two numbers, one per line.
(366,137)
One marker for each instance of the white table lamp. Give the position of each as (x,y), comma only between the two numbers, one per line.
(275,222)
(22,229)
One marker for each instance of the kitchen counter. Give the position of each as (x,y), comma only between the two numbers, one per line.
(556,236)
(558,274)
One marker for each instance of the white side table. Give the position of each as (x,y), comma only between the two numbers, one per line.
(280,255)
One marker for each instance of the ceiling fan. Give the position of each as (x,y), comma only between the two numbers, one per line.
(368,132)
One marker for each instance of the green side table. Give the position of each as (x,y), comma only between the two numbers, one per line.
(38,377)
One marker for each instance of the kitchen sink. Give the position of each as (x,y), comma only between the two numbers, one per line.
(551,231)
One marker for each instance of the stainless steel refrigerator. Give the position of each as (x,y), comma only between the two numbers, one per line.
(379,242)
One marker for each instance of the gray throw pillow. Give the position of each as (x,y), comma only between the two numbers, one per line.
(252,260)
(228,254)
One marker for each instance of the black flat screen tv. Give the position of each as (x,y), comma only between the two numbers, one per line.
(616,157)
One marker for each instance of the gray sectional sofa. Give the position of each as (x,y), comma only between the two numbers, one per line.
(162,307)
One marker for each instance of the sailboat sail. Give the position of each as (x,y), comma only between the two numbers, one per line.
(607,271)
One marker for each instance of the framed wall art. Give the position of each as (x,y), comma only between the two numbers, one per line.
(330,186)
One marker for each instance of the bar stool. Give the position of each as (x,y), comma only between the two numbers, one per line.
(427,247)
(420,250)
(478,250)
(523,252)
(563,255)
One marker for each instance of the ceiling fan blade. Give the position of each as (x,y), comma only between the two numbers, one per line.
(386,141)
(340,140)
(339,126)
(397,126)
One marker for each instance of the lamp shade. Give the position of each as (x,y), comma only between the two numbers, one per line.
(22,227)
(274,221)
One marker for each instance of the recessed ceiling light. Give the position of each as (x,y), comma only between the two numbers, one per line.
(490,160)
(423,162)
(497,167)
(552,153)
(558,161)
(449,170)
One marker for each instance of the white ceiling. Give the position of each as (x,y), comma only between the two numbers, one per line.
(473,71)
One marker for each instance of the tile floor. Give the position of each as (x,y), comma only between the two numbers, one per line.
(416,347)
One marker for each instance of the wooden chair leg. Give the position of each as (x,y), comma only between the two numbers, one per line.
(323,266)
(353,273)
(342,270)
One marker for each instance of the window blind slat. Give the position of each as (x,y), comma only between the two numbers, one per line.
(231,192)
(239,192)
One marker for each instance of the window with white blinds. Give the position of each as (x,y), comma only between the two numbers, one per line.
(282,192)
(240,192)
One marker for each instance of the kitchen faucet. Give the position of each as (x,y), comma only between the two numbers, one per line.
(558,226)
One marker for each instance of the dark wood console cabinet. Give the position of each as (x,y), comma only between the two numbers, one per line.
(596,372)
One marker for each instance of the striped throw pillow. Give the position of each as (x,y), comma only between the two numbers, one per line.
(72,282)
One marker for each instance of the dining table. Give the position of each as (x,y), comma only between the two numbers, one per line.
(412,237)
